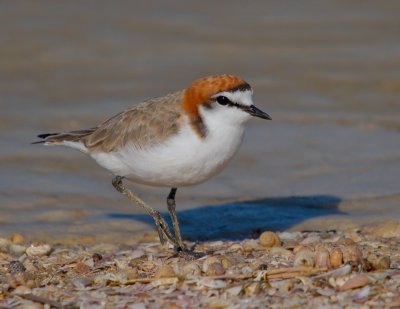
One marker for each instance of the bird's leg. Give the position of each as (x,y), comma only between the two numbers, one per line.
(184,252)
(171,209)
(162,226)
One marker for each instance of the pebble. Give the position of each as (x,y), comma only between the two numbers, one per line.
(212,283)
(121,263)
(17,238)
(304,257)
(226,262)
(249,245)
(235,248)
(299,247)
(346,242)
(191,269)
(4,244)
(31,283)
(246,270)
(22,290)
(16,249)
(165,271)
(311,239)
(281,252)
(82,268)
(355,282)
(38,251)
(286,236)
(322,258)
(378,262)
(234,291)
(215,269)
(336,258)
(208,261)
(16,266)
(351,254)
(132,274)
(269,239)
(81,283)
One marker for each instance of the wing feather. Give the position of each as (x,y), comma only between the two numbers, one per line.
(147,123)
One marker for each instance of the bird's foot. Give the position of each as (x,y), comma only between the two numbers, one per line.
(190,255)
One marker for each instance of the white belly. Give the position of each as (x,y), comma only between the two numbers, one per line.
(182,160)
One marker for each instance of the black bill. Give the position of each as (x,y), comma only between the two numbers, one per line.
(254,111)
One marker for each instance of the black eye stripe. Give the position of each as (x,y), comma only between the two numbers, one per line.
(222,100)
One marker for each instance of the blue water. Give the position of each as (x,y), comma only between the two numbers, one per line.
(327,72)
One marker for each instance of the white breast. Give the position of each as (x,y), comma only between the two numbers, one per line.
(184,159)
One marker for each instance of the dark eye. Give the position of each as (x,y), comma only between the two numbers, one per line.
(223,100)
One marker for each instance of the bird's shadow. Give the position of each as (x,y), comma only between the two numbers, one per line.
(239,220)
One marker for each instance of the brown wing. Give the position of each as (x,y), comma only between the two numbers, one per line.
(147,123)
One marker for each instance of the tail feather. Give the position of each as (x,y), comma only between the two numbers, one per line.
(46,135)
(60,138)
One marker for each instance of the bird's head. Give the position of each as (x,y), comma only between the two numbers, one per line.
(225,98)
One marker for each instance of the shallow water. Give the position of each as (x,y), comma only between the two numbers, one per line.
(327,72)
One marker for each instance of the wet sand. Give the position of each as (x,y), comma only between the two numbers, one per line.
(328,73)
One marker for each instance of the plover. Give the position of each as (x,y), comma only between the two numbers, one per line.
(178,140)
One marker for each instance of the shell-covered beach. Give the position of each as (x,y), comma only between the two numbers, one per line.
(331,269)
